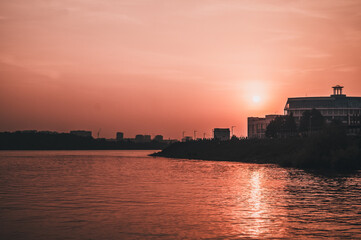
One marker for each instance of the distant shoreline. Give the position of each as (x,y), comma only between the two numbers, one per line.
(66,141)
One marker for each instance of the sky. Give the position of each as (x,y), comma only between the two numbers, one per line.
(164,67)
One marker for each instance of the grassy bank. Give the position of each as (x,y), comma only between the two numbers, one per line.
(330,149)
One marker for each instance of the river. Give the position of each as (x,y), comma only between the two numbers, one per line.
(129,195)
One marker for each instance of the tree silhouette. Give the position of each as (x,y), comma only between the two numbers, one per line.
(290,127)
(311,121)
(282,126)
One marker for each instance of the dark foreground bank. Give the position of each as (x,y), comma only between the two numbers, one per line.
(326,150)
(66,141)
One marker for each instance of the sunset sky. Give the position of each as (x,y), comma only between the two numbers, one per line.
(163,67)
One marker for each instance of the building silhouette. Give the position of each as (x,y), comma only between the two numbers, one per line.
(158,138)
(120,136)
(147,138)
(142,138)
(257,126)
(139,138)
(222,134)
(336,107)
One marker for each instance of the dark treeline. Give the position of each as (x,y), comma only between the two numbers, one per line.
(320,151)
(310,123)
(312,145)
(66,141)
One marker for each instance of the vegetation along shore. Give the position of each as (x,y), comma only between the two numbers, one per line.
(315,145)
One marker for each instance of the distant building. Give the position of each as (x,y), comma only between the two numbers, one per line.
(187,139)
(120,136)
(139,138)
(147,138)
(257,126)
(142,138)
(335,107)
(158,138)
(222,134)
(81,133)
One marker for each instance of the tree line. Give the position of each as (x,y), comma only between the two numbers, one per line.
(311,122)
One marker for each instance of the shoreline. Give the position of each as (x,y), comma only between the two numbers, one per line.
(319,152)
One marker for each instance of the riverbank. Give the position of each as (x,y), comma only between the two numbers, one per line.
(327,150)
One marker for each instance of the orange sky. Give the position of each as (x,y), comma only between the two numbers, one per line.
(161,67)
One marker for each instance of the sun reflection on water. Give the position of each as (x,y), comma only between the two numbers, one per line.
(259,209)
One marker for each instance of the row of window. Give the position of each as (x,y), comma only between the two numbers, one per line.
(330,112)
(258,127)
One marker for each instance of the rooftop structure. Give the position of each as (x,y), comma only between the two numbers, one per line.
(337,91)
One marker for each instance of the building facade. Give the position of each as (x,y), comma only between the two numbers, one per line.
(222,134)
(257,126)
(335,107)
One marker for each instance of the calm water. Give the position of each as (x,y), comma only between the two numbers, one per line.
(127,195)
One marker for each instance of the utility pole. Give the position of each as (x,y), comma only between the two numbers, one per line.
(195,134)
(204,135)
(232,129)
(99,132)
(183,134)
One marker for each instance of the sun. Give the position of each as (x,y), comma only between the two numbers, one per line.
(256,99)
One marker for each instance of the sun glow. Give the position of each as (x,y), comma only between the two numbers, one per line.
(254,94)
(256,99)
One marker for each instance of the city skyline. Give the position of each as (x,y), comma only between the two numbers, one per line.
(157,67)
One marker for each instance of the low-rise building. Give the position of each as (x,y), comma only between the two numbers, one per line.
(120,136)
(257,126)
(158,138)
(139,138)
(222,134)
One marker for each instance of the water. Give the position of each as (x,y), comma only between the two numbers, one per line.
(128,195)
